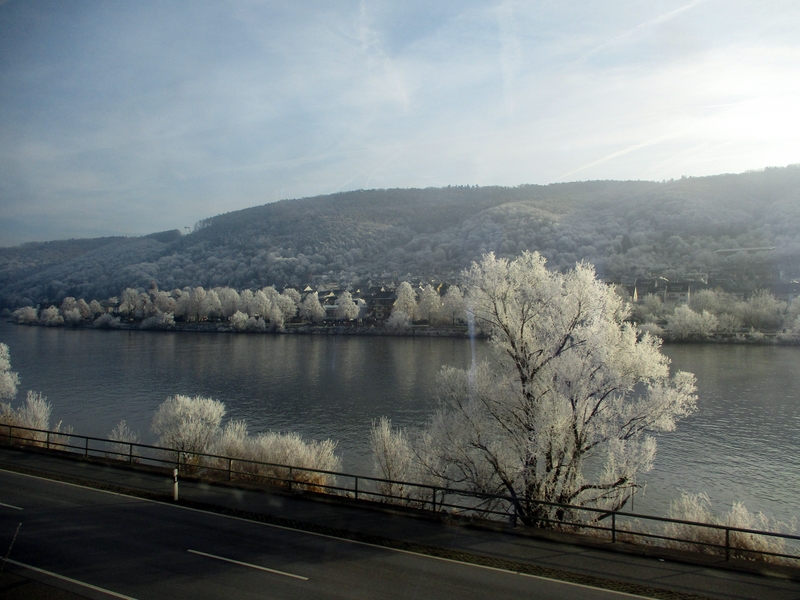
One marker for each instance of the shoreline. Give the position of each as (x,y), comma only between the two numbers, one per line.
(290,329)
(458,332)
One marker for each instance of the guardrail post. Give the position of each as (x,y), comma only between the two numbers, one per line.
(433,502)
(727,544)
(230,468)
(291,478)
(613,527)
(130,453)
(48,440)
(356,487)
(86,448)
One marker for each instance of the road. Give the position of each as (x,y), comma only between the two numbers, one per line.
(105,545)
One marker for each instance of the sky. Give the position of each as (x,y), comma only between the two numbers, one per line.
(126,118)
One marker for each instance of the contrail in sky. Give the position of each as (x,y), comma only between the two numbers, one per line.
(622,152)
(640,26)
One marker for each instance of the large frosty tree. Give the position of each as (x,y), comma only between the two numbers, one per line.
(565,409)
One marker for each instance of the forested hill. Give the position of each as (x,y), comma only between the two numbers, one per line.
(625,228)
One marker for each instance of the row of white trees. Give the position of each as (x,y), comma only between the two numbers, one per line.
(715,312)
(254,311)
(431,307)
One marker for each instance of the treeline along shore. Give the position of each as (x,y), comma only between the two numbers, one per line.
(675,313)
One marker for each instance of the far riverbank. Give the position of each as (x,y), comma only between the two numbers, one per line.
(755,338)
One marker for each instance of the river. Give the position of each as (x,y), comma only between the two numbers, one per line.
(741,445)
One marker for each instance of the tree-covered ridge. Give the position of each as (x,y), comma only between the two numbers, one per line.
(627,229)
(19,261)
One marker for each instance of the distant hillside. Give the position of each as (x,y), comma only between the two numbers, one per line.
(625,228)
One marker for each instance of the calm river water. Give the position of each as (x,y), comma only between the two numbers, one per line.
(742,444)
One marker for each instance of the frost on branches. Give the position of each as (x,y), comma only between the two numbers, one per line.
(565,410)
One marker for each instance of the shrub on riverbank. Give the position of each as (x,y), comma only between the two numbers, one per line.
(125,439)
(280,449)
(707,540)
(34,414)
(193,426)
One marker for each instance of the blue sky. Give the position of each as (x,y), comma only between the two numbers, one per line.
(124,118)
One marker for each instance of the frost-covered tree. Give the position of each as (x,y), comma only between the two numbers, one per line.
(286,303)
(129,301)
(293,294)
(406,302)
(260,305)
(183,300)
(106,321)
(159,321)
(239,321)
(125,438)
(565,409)
(229,301)
(430,305)
(188,424)
(453,305)
(311,309)
(345,307)
(684,323)
(26,315)
(211,307)
(707,300)
(67,305)
(651,308)
(83,308)
(246,302)
(197,298)
(763,311)
(144,306)
(8,378)
(393,458)
(398,320)
(34,414)
(50,317)
(72,317)
(164,302)
(96,308)
(256,324)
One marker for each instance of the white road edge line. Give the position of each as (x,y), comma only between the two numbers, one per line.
(244,564)
(10,506)
(333,537)
(71,580)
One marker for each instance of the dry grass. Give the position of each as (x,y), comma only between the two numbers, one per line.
(710,540)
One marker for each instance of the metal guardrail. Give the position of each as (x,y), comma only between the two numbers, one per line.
(616,525)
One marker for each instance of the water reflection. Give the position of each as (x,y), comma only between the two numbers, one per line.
(742,444)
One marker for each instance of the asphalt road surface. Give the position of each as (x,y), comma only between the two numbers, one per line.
(104,545)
